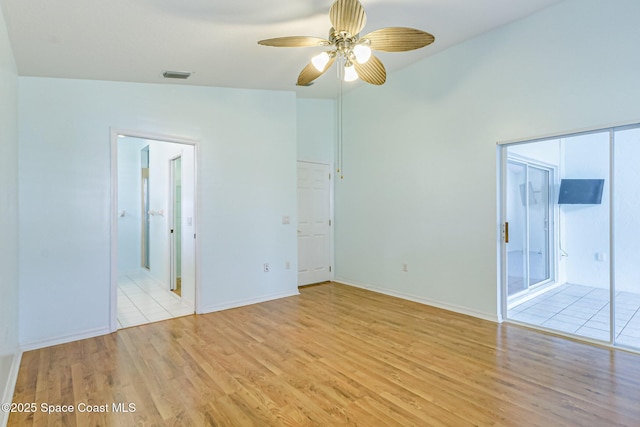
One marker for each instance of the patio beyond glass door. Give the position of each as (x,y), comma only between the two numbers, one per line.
(528,215)
(556,202)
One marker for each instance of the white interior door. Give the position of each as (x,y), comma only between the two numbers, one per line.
(314,223)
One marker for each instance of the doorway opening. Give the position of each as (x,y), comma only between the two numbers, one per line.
(153,237)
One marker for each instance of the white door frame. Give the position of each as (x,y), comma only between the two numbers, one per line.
(115,133)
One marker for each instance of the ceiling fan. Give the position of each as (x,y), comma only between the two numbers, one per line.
(346,45)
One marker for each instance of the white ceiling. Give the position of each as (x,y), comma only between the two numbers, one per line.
(136,40)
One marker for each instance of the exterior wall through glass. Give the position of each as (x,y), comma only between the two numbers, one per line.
(570,246)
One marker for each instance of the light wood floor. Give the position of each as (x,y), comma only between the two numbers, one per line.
(334,355)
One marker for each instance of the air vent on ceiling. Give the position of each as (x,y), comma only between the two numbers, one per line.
(176,75)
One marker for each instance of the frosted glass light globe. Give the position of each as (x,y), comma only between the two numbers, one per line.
(350,73)
(320,61)
(362,53)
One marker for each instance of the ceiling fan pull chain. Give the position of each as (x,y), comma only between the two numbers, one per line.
(340,121)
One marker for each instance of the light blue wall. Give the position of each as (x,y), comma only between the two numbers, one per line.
(316,130)
(8,213)
(246,179)
(129,202)
(420,151)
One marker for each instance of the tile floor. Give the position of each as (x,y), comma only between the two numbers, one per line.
(582,310)
(141,299)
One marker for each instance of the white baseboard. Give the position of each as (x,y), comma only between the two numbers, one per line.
(433,303)
(242,303)
(91,333)
(7,395)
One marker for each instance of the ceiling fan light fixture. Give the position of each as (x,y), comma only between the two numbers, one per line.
(345,46)
(362,52)
(320,61)
(350,73)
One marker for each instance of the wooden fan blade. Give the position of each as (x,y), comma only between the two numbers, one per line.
(372,71)
(348,15)
(398,39)
(310,73)
(295,41)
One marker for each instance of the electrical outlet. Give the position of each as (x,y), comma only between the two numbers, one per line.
(287,265)
(266,267)
(405,268)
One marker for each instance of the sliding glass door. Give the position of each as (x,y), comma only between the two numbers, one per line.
(529,262)
(626,210)
(557,254)
(571,234)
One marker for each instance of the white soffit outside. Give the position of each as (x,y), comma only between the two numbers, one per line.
(135,41)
